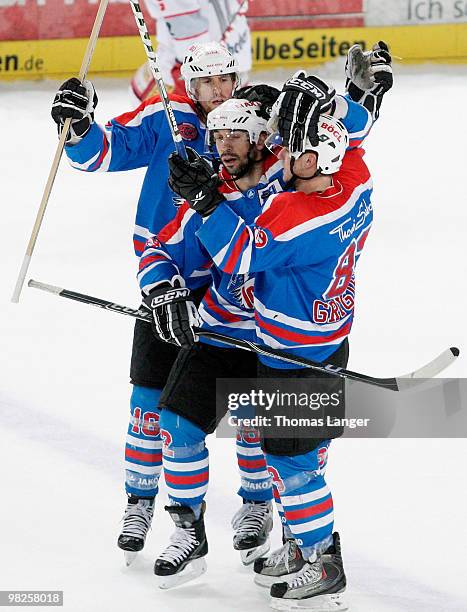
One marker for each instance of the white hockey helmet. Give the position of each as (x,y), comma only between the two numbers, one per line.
(333,142)
(208,59)
(238,114)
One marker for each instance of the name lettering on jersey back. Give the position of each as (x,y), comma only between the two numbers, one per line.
(348,227)
(335,309)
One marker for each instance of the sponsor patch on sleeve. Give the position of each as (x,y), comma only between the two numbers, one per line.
(188,131)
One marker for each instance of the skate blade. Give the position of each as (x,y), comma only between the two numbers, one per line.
(251,554)
(268,581)
(130,556)
(320,603)
(190,572)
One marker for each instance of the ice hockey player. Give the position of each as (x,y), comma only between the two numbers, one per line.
(249,171)
(142,138)
(135,139)
(302,249)
(182,23)
(249,176)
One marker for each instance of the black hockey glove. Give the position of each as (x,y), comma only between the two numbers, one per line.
(196,181)
(174,314)
(296,113)
(264,94)
(78,101)
(369,75)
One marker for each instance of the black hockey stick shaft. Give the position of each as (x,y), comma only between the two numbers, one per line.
(393,384)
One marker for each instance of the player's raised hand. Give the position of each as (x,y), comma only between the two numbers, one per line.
(295,114)
(369,75)
(77,101)
(196,181)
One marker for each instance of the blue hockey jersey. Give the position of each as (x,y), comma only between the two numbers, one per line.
(227,306)
(176,251)
(142,138)
(303,250)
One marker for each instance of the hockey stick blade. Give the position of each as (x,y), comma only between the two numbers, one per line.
(398,383)
(429,370)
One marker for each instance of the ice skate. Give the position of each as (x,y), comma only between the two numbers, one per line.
(136,523)
(333,553)
(282,564)
(252,525)
(317,587)
(183,560)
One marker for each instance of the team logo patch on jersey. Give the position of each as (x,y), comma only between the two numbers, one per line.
(153,242)
(188,131)
(261,238)
(248,293)
(322,456)
(241,287)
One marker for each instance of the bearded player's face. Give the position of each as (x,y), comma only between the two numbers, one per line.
(233,147)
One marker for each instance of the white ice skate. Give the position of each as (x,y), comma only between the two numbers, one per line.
(136,523)
(252,525)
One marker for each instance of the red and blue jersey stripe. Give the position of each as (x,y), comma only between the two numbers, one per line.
(302,250)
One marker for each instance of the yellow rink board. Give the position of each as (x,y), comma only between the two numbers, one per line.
(117,56)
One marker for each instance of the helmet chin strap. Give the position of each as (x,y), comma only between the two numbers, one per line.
(296,177)
(202,113)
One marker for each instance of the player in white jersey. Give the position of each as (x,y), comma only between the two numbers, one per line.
(182,23)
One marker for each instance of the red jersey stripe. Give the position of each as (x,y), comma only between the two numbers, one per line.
(151,259)
(173,227)
(209,302)
(139,245)
(125,118)
(236,251)
(304,208)
(297,337)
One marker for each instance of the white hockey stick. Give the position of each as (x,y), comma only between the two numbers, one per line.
(220,16)
(156,73)
(58,155)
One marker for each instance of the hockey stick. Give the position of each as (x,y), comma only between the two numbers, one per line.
(156,73)
(397,383)
(220,16)
(58,155)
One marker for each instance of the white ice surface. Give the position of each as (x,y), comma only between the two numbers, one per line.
(400,504)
